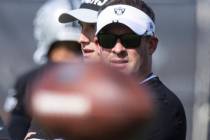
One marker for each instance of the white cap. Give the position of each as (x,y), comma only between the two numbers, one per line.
(135,19)
(48,30)
(87,12)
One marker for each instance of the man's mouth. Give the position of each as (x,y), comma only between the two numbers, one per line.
(87,52)
(119,63)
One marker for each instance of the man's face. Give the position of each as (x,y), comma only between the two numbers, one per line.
(64,51)
(89,47)
(128,60)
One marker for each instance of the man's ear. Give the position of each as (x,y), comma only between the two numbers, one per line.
(96,40)
(153,42)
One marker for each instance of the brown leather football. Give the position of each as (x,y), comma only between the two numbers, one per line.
(89,102)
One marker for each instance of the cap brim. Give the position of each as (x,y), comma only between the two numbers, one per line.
(83,15)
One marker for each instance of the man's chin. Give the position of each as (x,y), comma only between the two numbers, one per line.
(91,59)
(122,69)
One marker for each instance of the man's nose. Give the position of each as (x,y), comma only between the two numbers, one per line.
(83,38)
(118,47)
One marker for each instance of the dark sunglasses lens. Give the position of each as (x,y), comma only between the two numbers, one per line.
(131,40)
(107,40)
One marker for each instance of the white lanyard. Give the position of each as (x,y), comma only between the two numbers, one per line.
(149,78)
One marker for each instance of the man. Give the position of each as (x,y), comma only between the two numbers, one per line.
(141,68)
(87,17)
(126,36)
(56,43)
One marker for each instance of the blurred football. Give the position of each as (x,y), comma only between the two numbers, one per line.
(89,102)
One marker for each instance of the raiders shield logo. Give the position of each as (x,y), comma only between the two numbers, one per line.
(119,11)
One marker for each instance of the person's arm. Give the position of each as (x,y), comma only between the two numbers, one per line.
(18,126)
(19,121)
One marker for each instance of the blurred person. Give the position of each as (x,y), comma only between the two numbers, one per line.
(87,17)
(56,43)
(127,40)
(3,131)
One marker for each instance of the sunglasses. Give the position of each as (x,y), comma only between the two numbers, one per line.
(108,41)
